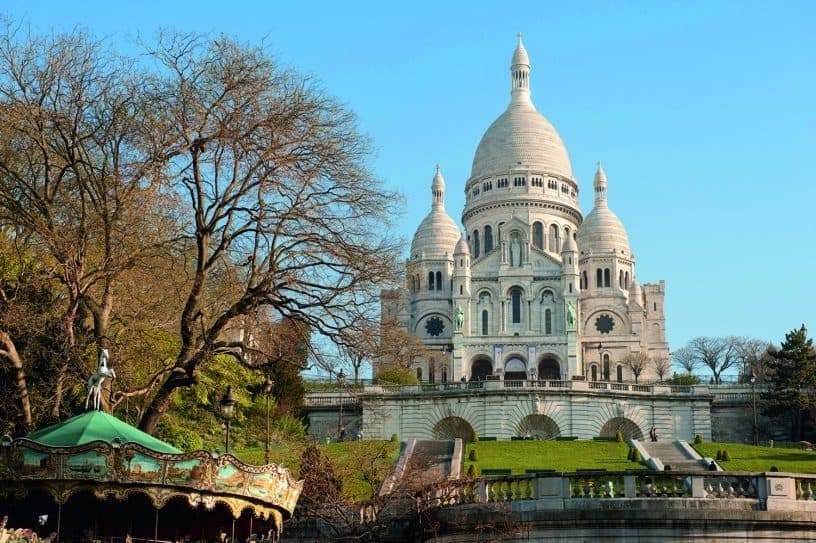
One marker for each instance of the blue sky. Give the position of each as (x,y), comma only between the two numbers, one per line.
(703,113)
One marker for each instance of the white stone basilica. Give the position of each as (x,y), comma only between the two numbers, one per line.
(533,288)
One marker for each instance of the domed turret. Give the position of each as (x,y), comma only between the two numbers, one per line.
(521,138)
(635,294)
(437,233)
(462,247)
(602,231)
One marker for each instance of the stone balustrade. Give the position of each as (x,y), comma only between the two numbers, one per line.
(592,490)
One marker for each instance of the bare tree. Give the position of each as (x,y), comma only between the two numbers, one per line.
(753,358)
(78,177)
(278,200)
(716,353)
(686,359)
(662,367)
(636,362)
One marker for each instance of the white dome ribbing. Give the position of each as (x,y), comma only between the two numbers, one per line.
(521,138)
(437,233)
(602,231)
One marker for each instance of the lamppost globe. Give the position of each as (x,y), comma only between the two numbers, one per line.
(227,405)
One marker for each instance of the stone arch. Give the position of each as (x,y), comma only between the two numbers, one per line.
(621,324)
(480,368)
(451,428)
(538,426)
(515,369)
(628,428)
(549,368)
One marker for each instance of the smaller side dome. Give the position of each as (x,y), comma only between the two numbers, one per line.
(602,231)
(462,247)
(437,233)
(569,245)
(635,294)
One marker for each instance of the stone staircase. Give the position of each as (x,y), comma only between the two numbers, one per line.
(671,453)
(430,462)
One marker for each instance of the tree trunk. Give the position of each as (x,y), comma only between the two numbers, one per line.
(10,352)
(161,402)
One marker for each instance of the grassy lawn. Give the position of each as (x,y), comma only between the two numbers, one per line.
(519,456)
(750,458)
(353,461)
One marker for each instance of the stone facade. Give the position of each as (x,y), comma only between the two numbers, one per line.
(533,288)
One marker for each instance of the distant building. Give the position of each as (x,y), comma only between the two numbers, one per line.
(532,288)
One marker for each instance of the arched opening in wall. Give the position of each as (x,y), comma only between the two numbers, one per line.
(619,373)
(593,372)
(547,321)
(607,280)
(444,375)
(430,280)
(606,367)
(549,368)
(538,427)
(515,370)
(476,246)
(629,429)
(451,428)
(485,322)
(538,235)
(599,278)
(438,280)
(555,246)
(515,303)
(480,369)
(488,239)
(419,374)
(584,282)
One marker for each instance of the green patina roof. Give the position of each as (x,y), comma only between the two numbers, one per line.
(96,426)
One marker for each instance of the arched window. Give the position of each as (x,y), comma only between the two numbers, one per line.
(430,280)
(620,279)
(515,302)
(438,280)
(584,282)
(484,322)
(620,373)
(538,235)
(626,280)
(444,375)
(606,367)
(419,374)
(607,278)
(488,239)
(554,239)
(599,278)
(476,246)
(547,321)
(594,372)
(461,289)
(566,233)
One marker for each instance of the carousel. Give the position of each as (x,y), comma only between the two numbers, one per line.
(95,478)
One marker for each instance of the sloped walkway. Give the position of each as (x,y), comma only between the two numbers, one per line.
(672,453)
(430,462)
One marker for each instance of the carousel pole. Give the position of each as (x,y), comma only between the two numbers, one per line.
(156,528)
(59,520)
(232,539)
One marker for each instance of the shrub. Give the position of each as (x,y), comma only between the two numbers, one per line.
(719,455)
(636,456)
(726,456)
(394,438)
(629,455)
(474,438)
(473,457)
(667,467)
(396,375)
(698,439)
(179,437)
(619,437)
(774,468)
(471,471)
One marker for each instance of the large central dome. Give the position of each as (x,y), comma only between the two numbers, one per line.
(521,138)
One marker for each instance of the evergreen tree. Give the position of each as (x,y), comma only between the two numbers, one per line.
(792,381)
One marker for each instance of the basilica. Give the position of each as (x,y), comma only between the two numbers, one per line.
(530,287)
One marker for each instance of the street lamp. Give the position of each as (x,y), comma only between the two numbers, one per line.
(753,407)
(341,431)
(268,384)
(227,403)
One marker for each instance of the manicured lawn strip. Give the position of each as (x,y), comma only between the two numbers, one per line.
(520,456)
(352,461)
(750,458)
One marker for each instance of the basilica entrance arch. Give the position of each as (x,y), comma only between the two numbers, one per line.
(451,428)
(549,368)
(626,427)
(515,369)
(480,369)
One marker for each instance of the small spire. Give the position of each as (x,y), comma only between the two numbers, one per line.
(438,190)
(600,185)
(520,74)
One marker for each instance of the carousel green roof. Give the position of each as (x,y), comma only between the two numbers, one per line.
(96,426)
